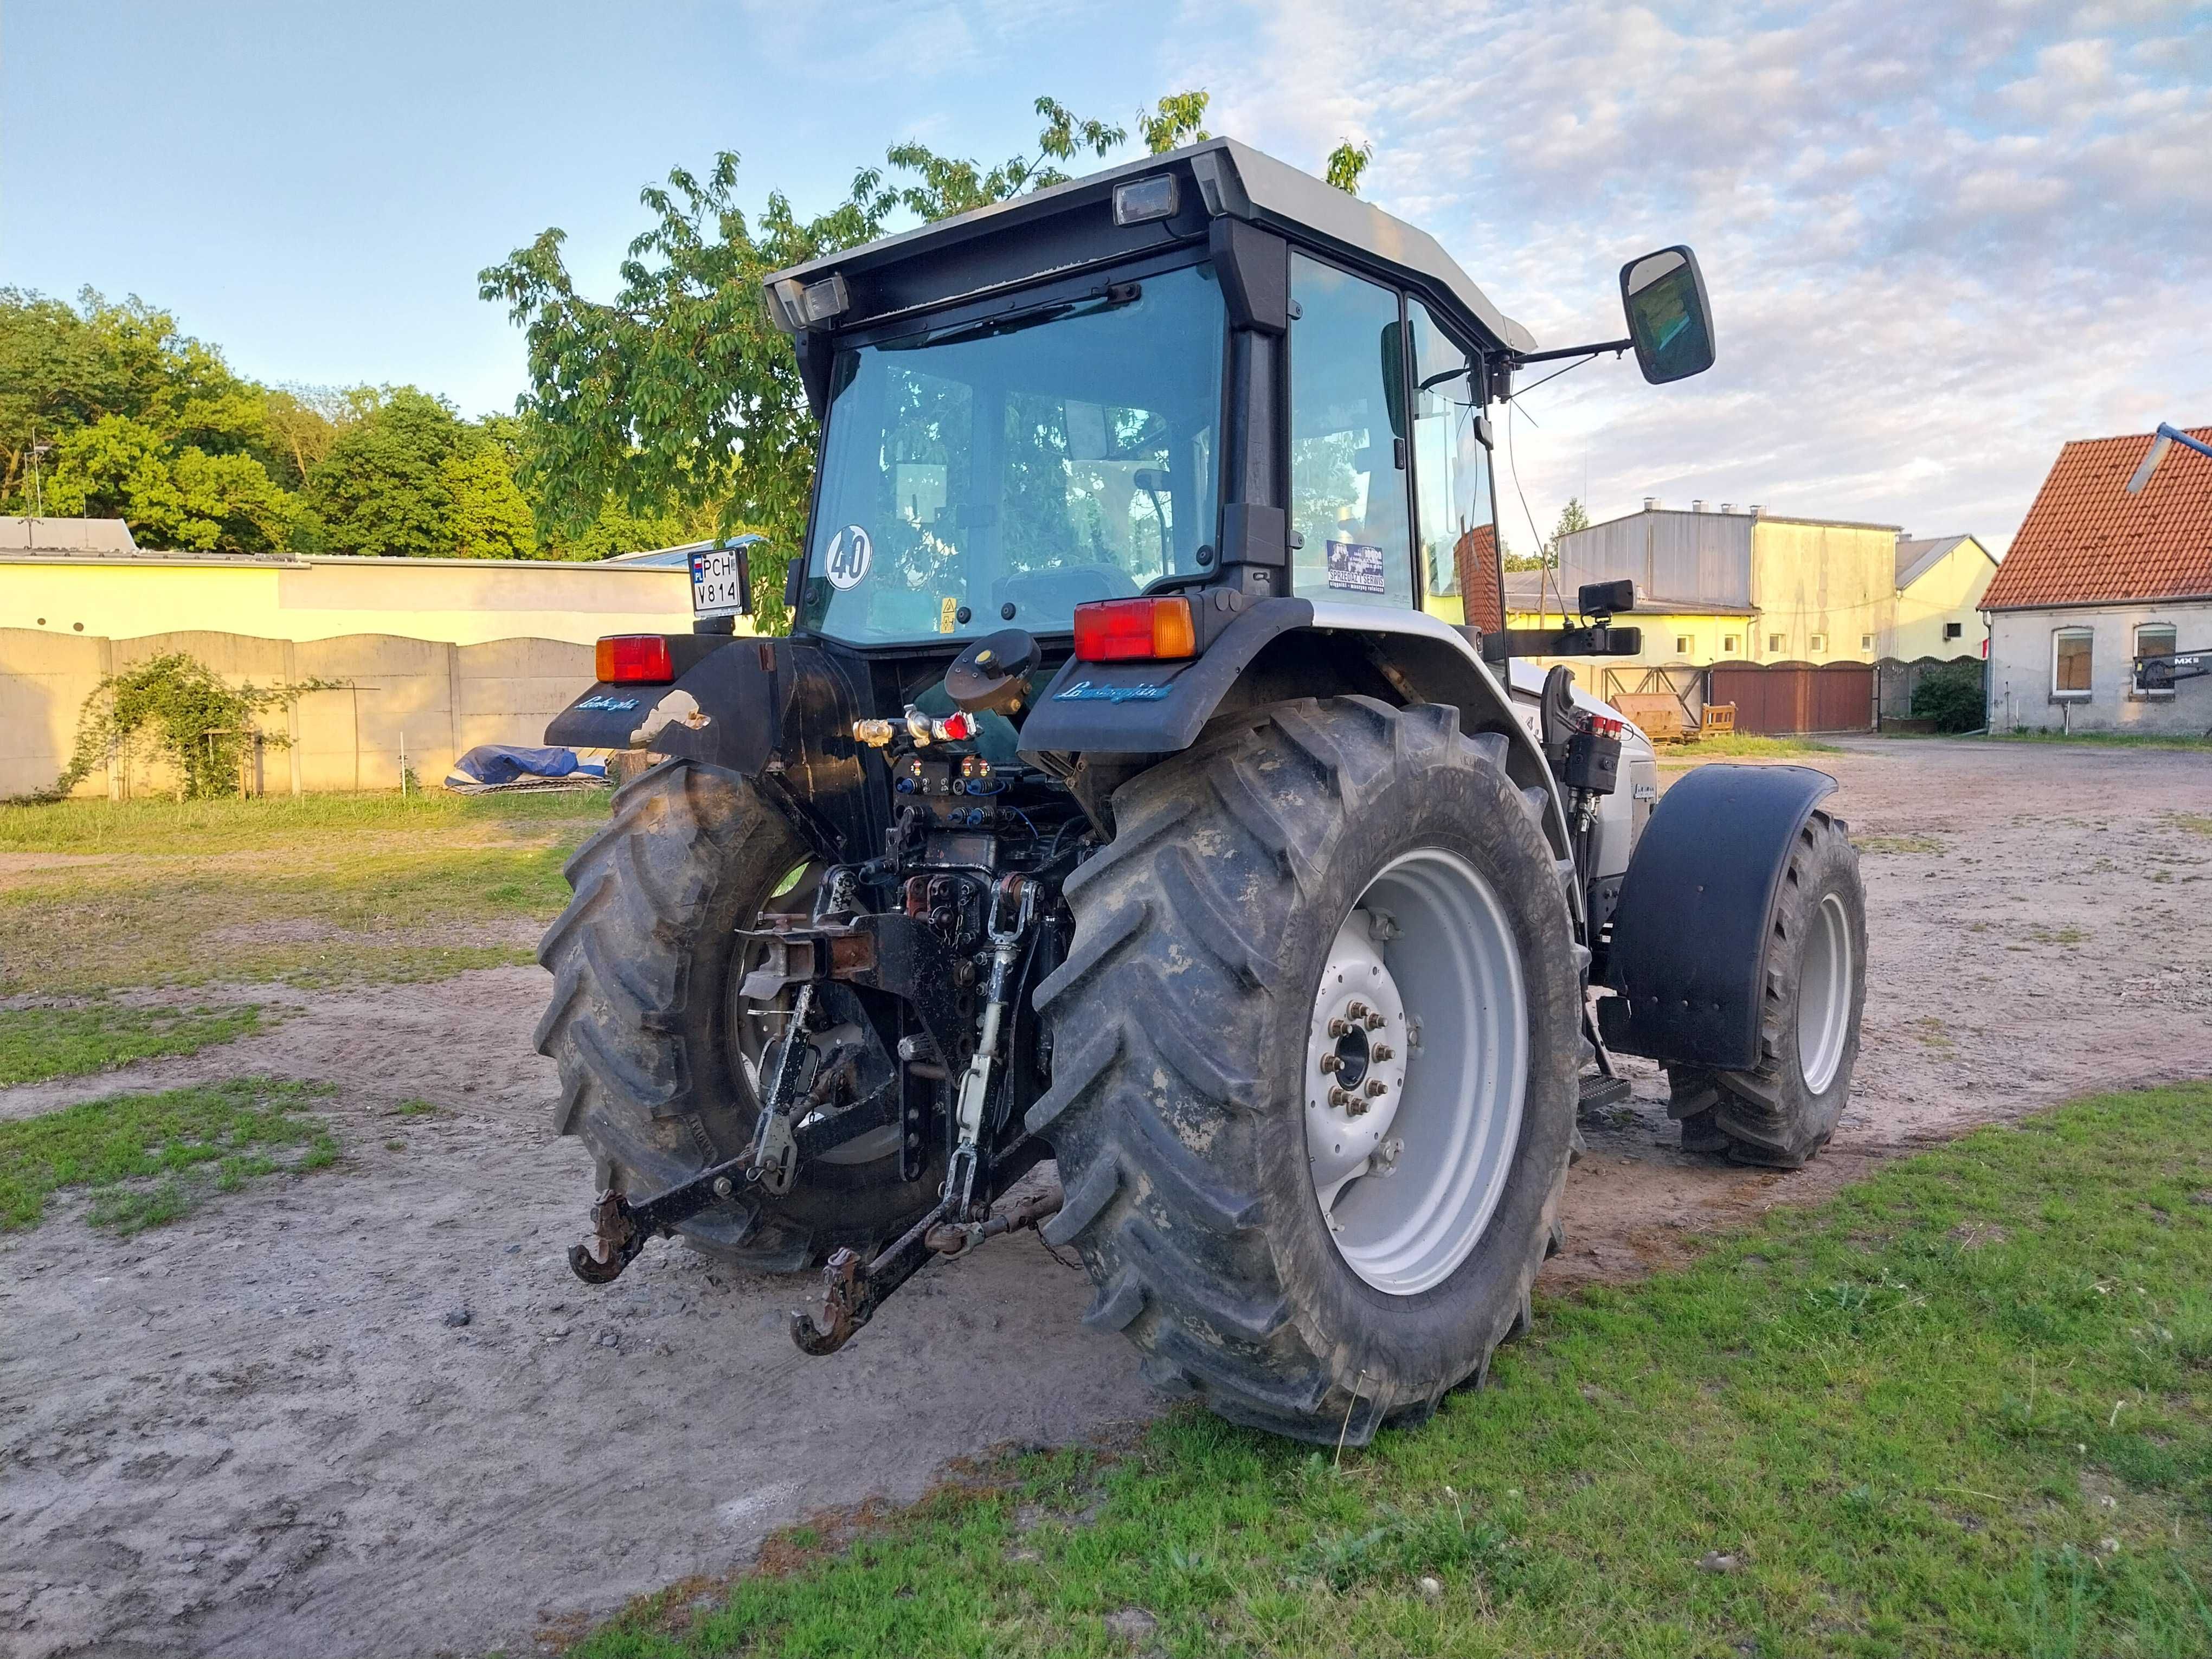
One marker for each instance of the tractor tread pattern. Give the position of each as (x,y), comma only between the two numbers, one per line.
(1149,1114)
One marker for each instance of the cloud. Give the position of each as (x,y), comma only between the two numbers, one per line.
(1942,239)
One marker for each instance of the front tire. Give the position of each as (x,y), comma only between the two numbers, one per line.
(1182,1058)
(1783,1113)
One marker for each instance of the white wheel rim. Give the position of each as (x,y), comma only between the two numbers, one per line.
(1824,995)
(1410,1160)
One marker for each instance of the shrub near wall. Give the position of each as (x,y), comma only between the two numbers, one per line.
(1951,696)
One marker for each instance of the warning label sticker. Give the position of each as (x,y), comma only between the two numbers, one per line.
(1355,567)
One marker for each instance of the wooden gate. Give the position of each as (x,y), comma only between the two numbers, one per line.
(1783,698)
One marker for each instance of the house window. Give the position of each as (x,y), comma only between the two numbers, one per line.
(2069,662)
(1774,642)
(1866,642)
(1728,645)
(1953,630)
(1819,642)
(1681,645)
(2154,640)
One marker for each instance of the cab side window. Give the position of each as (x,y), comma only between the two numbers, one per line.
(1348,441)
(1455,525)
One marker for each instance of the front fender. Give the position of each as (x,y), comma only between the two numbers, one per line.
(1688,954)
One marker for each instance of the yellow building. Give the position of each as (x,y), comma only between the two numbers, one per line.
(414,660)
(121,592)
(1753,586)
(1941,581)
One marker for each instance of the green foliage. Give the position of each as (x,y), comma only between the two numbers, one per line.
(1573,516)
(1952,696)
(487,518)
(36,1043)
(1346,164)
(305,422)
(178,497)
(169,1139)
(175,708)
(136,420)
(382,491)
(1963,1408)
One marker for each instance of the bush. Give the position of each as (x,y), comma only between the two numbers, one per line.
(177,709)
(1951,695)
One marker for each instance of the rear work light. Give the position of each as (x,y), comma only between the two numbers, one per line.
(1125,630)
(634,659)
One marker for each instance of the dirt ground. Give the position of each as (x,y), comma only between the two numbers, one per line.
(264,1430)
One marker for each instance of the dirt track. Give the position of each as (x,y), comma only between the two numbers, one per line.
(255,1432)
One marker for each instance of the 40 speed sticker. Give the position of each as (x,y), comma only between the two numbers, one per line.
(847,561)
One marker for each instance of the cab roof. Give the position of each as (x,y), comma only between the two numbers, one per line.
(1065,227)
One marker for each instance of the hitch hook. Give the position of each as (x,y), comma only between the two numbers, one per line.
(615,1242)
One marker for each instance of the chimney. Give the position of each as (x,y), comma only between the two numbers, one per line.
(1755,510)
(1651,503)
(1696,507)
(1727,507)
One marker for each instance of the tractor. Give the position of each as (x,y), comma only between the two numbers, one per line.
(1149,783)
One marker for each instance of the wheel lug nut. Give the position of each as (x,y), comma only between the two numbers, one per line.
(1381,1052)
(1374,1022)
(1356,1010)
(1377,1088)
(1338,1027)
(1331,1062)
(1340,1097)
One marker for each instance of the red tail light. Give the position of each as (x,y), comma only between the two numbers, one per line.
(634,658)
(1123,630)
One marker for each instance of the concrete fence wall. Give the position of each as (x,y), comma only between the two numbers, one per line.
(426,699)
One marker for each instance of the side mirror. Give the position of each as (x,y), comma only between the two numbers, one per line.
(1668,317)
(1606,599)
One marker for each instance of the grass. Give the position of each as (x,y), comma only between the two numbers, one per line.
(1962,1408)
(311,892)
(1897,843)
(38,1043)
(1740,746)
(2197,824)
(2103,739)
(158,826)
(149,1158)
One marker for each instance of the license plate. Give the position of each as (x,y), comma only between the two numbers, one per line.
(716,587)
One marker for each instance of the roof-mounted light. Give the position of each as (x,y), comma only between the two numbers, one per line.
(1142,199)
(809,305)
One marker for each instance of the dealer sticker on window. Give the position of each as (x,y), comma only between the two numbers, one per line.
(1355,567)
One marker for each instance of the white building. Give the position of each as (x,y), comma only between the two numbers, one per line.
(2096,578)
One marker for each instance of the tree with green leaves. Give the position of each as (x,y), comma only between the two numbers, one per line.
(1345,163)
(411,479)
(132,418)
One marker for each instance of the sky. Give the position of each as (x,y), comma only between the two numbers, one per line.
(1939,240)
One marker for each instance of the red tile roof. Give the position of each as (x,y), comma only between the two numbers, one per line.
(2087,541)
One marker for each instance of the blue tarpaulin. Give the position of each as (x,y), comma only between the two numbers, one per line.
(495,763)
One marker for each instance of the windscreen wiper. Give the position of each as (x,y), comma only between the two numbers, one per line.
(1112,297)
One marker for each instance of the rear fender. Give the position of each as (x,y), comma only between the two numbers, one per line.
(1277,649)
(777,711)
(1688,953)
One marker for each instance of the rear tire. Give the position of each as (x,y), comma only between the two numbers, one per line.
(1179,1105)
(1782,1114)
(638,1022)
